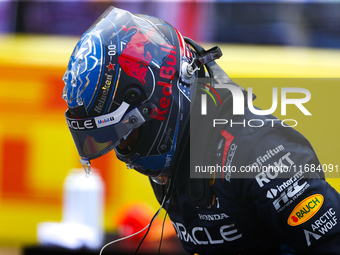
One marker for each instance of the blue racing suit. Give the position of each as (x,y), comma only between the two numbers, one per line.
(272,198)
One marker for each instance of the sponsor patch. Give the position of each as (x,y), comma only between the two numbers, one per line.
(305,210)
(287,192)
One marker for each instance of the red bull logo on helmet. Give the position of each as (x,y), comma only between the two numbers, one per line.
(134,59)
(151,55)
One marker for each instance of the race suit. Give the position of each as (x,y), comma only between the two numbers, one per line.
(262,212)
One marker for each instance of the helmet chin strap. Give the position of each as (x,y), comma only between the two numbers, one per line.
(202,58)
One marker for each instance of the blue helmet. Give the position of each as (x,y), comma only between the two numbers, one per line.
(127,76)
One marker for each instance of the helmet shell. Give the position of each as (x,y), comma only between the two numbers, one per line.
(136,59)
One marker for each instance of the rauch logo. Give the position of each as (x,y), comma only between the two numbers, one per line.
(305,210)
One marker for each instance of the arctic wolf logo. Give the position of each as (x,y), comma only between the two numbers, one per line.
(133,59)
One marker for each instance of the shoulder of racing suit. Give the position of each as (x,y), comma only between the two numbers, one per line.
(275,168)
(297,205)
(270,182)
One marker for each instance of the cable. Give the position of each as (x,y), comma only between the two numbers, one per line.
(160,242)
(147,232)
(121,239)
(147,226)
(153,218)
(170,189)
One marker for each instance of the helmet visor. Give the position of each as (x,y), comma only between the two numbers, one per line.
(96,136)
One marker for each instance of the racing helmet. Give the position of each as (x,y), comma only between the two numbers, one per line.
(129,73)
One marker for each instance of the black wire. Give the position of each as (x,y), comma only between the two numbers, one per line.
(155,216)
(160,242)
(169,191)
(140,243)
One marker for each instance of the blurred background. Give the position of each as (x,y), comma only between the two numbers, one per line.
(271,40)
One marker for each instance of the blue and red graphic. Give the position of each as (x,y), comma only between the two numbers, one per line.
(133,59)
